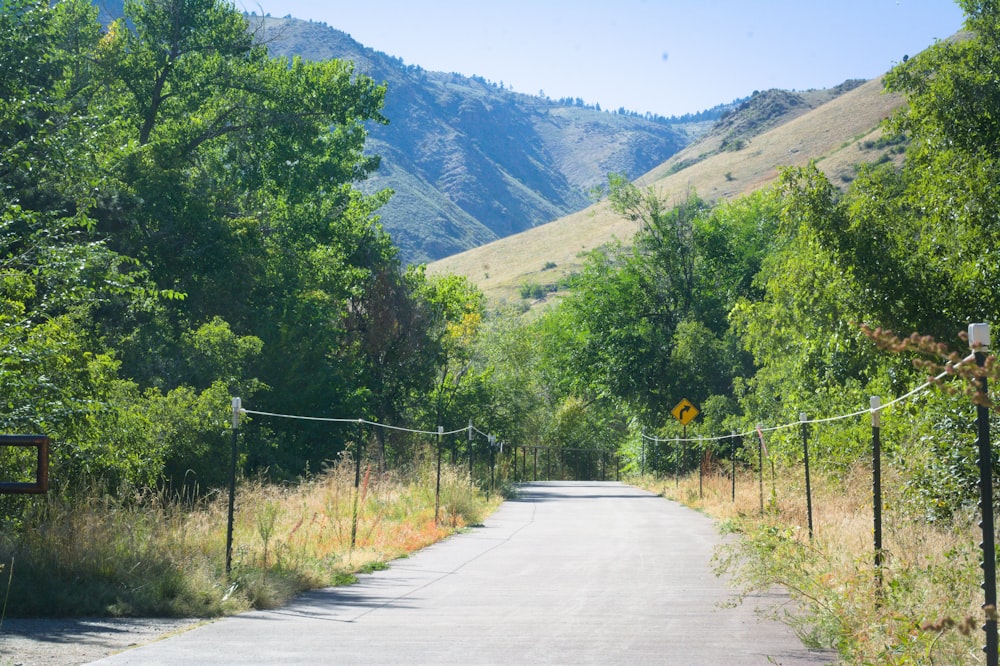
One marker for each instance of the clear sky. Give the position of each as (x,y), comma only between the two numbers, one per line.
(667,57)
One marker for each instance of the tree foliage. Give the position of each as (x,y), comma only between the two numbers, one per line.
(179,223)
(756,307)
(651,321)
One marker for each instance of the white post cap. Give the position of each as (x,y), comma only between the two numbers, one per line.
(979,337)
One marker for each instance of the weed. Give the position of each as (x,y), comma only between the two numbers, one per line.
(266,519)
(373,566)
(344,579)
(460,500)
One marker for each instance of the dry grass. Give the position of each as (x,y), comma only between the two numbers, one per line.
(832,134)
(317,522)
(927,609)
(157,556)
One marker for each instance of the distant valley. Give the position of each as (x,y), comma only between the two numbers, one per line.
(495,185)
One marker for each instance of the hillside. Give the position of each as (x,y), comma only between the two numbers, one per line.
(838,128)
(470,161)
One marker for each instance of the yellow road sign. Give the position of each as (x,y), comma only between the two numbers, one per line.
(685,411)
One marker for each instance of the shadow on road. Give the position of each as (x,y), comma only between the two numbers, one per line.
(545,491)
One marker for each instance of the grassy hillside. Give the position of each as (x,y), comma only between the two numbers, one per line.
(742,153)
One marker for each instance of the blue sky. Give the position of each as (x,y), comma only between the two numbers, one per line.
(668,57)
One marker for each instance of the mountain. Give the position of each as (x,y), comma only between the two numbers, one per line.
(471,161)
(838,128)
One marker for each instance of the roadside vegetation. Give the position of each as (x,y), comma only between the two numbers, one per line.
(923,606)
(160,555)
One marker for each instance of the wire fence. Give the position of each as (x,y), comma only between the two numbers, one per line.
(948,372)
(606,459)
(574,467)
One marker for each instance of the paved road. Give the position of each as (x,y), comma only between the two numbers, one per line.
(569,573)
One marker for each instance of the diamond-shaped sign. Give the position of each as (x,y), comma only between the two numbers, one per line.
(685,411)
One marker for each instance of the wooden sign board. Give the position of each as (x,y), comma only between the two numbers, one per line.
(41,483)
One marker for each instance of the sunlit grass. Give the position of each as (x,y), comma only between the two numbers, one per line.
(149,555)
(500,268)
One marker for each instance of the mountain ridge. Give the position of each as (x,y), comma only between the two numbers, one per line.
(838,128)
(470,161)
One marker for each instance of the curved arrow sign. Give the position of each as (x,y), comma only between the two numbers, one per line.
(685,411)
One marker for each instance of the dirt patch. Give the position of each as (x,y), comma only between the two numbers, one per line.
(35,642)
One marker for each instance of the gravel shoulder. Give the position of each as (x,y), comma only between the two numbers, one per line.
(69,642)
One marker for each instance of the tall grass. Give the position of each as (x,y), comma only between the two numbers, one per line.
(159,555)
(927,608)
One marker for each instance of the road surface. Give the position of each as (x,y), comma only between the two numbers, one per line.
(567,573)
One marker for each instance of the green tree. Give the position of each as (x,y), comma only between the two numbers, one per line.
(396,352)
(583,435)
(653,320)
(233,179)
(170,156)
(55,270)
(509,362)
(231,162)
(924,239)
(801,333)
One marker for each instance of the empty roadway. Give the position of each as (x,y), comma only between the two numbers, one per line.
(566,573)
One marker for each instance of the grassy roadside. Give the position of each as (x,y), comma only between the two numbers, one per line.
(162,556)
(927,609)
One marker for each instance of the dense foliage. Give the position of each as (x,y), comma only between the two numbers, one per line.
(179,223)
(184,218)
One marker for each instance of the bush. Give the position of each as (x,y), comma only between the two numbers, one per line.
(532,290)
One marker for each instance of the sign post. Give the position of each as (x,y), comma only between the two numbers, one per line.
(685,411)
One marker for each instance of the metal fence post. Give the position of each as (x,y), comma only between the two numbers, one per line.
(701,468)
(237,406)
(876,406)
(642,456)
(677,464)
(760,459)
(472,457)
(493,463)
(437,488)
(805,449)
(357,483)
(732,454)
(979,341)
